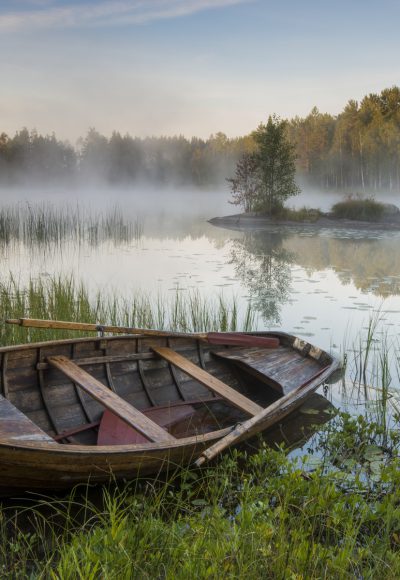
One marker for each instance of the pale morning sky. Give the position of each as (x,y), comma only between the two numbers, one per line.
(191,67)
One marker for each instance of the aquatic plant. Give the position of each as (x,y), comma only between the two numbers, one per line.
(62,298)
(51,225)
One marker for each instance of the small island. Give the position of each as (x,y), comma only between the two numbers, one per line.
(354,213)
(265,178)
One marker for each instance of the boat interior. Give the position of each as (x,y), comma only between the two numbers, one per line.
(125,390)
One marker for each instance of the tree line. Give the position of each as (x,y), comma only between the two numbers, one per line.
(357,150)
(121,159)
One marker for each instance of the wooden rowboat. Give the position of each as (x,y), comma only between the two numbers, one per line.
(91,409)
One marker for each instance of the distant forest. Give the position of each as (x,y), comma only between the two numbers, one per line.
(357,150)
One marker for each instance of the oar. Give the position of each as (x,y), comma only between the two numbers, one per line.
(267,417)
(223,338)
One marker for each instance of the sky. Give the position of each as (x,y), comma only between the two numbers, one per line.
(188,67)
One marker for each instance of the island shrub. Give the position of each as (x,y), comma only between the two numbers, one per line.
(302,214)
(357,208)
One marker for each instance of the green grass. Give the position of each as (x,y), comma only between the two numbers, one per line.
(65,299)
(46,225)
(333,514)
(303,214)
(355,208)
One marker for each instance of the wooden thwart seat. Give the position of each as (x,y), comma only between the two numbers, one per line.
(17,427)
(209,381)
(111,401)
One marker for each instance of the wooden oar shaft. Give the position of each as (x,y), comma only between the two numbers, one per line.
(88,327)
(223,338)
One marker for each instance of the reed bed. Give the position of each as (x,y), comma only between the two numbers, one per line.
(48,225)
(63,298)
(371,381)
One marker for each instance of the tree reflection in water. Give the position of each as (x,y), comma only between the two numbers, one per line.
(263,265)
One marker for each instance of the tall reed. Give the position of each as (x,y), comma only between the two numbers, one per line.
(62,298)
(48,226)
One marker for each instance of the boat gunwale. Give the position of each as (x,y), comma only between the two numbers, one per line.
(112,337)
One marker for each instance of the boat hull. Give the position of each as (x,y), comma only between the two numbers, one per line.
(127,366)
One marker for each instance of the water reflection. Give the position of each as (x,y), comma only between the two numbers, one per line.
(371,264)
(311,282)
(296,429)
(263,265)
(370,260)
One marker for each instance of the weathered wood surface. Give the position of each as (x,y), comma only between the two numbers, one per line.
(283,369)
(110,400)
(32,464)
(104,359)
(268,416)
(209,381)
(15,426)
(114,431)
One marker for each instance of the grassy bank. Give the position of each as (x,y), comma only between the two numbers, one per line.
(333,512)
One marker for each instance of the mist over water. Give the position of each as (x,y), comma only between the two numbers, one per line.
(312,283)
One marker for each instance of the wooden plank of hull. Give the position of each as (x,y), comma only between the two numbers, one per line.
(211,382)
(37,466)
(110,400)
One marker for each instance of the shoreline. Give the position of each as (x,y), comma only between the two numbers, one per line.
(247,221)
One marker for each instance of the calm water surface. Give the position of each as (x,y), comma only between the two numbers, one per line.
(322,284)
(325,285)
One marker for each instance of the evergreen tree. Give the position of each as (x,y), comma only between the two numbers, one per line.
(265,179)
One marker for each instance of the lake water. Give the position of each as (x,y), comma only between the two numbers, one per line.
(325,285)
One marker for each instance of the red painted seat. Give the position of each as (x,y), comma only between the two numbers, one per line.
(114,431)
